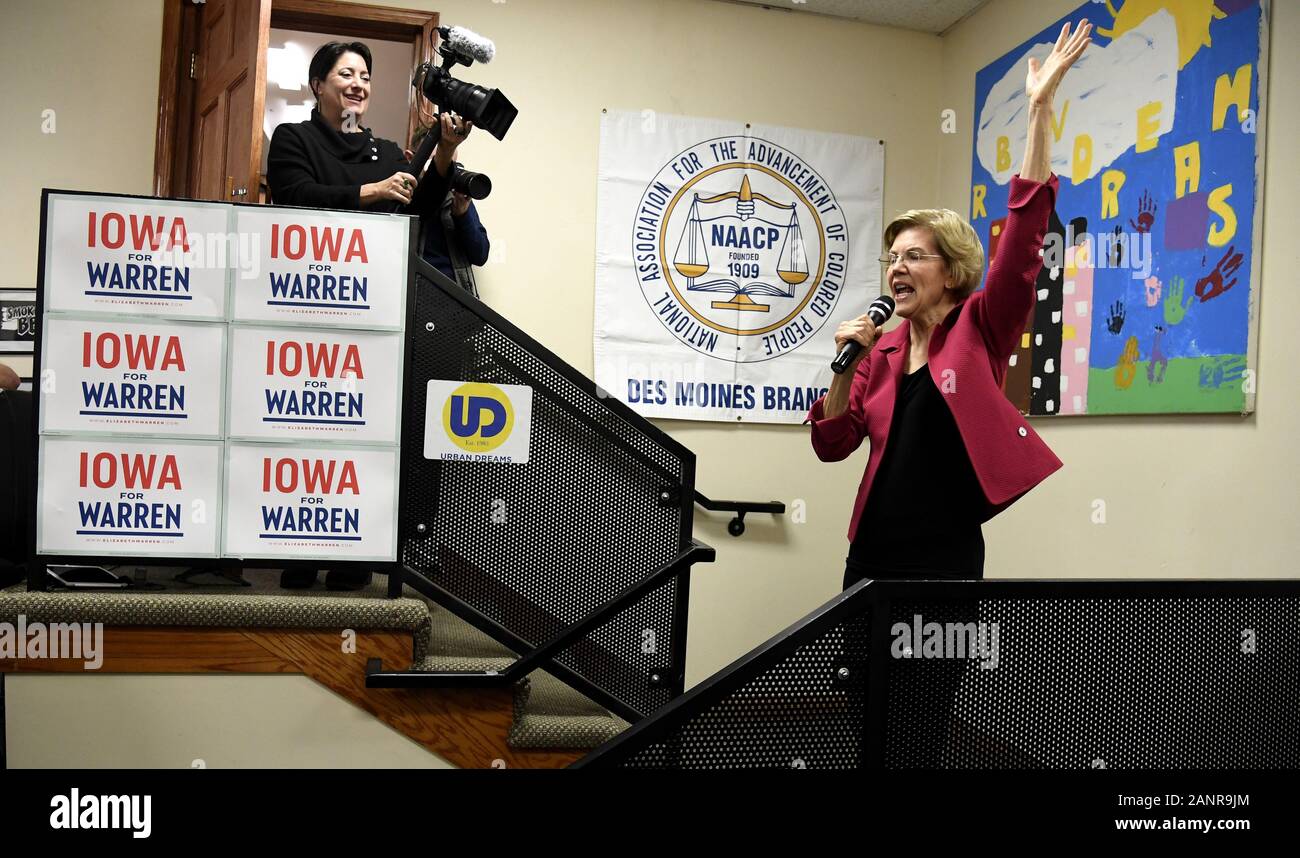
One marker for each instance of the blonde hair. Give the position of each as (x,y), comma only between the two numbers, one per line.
(959,244)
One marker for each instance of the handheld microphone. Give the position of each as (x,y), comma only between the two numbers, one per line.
(469,43)
(879,311)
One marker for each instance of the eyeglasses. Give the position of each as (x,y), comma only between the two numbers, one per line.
(911,256)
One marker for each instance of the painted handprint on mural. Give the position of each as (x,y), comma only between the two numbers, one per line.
(1126,369)
(1117,248)
(1146,214)
(1221,369)
(1115,319)
(1153,291)
(1159,362)
(1175,309)
(1212,285)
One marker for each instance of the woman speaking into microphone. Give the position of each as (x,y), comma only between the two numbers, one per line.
(948,449)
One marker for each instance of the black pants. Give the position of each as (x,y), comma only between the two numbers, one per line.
(923,693)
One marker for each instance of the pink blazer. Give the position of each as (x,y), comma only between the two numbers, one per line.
(969,354)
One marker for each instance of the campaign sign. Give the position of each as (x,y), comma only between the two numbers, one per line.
(323,269)
(314,383)
(114,375)
(136,257)
(477,422)
(109,496)
(304,502)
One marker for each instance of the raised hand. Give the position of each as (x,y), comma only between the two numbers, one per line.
(1175,309)
(1212,285)
(1146,214)
(1043,78)
(1115,320)
(455,129)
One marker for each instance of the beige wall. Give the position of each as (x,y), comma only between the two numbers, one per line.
(180,722)
(1203,496)
(96,66)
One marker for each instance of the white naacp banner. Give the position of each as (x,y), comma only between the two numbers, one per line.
(726,256)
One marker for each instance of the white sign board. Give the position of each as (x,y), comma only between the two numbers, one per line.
(124,376)
(323,269)
(333,385)
(128,497)
(136,257)
(331,503)
(209,391)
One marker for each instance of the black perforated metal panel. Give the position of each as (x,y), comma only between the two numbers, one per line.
(535,547)
(805,712)
(1118,683)
(1025,674)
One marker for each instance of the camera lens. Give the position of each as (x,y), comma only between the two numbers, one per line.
(476,186)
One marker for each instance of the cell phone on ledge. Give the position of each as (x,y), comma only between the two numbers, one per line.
(86,578)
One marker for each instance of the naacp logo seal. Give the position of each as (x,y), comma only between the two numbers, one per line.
(740,249)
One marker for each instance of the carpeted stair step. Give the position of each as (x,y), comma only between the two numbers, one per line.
(548,713)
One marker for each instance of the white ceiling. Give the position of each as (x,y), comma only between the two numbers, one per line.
(929,16)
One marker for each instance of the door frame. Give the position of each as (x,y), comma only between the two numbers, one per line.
(180,32)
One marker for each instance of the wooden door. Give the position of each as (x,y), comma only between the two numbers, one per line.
(230,65)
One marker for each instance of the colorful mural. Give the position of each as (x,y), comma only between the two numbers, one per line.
(1147,295)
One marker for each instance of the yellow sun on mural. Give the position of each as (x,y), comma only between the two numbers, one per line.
(1193,19)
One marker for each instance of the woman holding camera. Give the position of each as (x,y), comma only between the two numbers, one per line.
(333,161)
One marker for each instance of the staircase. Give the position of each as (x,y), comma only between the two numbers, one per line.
(172,627)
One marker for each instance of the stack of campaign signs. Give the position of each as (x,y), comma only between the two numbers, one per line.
(219,381)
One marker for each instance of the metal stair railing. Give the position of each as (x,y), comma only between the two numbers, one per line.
(537,657)
(736,527)
(579,560)
(1117,674)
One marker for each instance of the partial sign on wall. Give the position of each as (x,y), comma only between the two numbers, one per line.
(1146,302)
(726,256)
